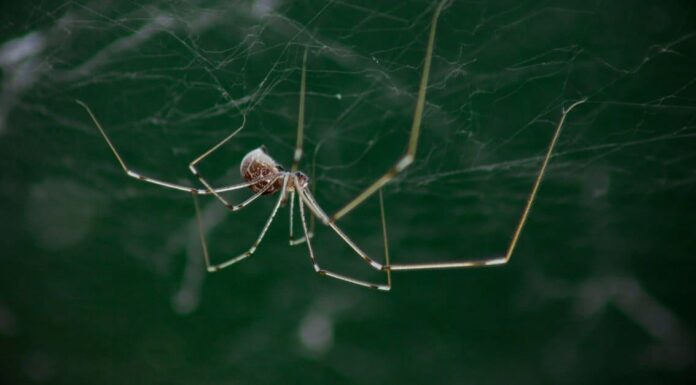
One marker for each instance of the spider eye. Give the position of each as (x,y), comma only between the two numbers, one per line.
(304,179)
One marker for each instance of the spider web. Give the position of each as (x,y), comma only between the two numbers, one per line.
(169,80)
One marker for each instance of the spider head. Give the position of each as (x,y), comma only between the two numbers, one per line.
(302,179)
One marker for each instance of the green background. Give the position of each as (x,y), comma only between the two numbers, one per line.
(102,279)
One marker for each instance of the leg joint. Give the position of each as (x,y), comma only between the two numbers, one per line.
(404,162)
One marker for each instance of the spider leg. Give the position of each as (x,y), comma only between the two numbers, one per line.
(297,156)
(300,116)
(410,153)
(342,277)
(292,240)
(307,198)
(252,249)
(520,224)
(216,192)
(148,179)
(408,157)
(256,195)
(292,211)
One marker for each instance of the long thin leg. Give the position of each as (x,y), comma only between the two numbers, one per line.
(292,213)
(410,154)
(312,221)
(518,230)
(408,158)
(297,156)
(148,179)
(251,250)
(385,237)
(292,240)
(300,116)
(216,192)
(307,198)
(341,277)
(256,195)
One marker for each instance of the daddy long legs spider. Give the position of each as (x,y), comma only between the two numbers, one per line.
(264,176)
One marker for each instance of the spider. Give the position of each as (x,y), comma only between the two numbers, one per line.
(265,176)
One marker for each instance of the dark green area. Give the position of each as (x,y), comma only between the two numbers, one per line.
(102,279)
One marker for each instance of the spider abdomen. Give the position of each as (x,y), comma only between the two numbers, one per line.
(258,164)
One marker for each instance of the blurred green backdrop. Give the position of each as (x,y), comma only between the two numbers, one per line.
(102,279)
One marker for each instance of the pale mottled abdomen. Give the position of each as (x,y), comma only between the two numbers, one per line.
(258,164)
